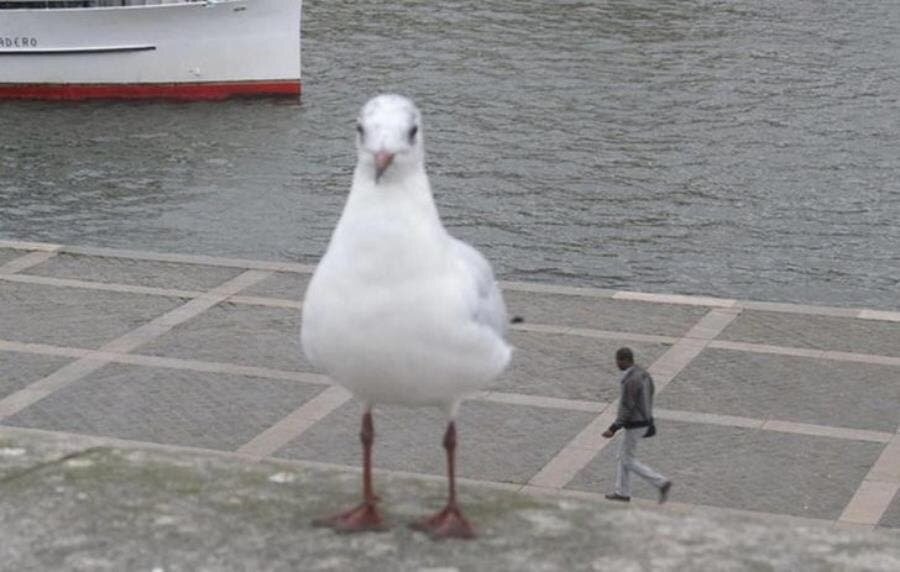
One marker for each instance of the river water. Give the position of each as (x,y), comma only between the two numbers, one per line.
(740,149)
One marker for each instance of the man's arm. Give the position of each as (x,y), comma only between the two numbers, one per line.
(631,389)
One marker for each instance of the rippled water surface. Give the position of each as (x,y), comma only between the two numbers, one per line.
(740,149)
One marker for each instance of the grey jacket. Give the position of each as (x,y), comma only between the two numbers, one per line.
(636,404)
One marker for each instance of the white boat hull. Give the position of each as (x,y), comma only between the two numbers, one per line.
(191,50)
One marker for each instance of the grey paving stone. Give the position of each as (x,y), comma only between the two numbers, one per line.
(568,367)
(788,388)
(134,272)
(216,411)
(603,313)
(496,441)
(285,285)
(18,369)
(746,469)
(236,333)
(891,517)
(73,316)
(815,332)
(7,254)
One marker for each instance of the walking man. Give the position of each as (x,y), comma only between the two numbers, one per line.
(636,417)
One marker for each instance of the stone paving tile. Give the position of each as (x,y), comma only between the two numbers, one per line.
(7,254)
(73,316)
(891,517)
(18,369)
(285,285)
(569,367)
(496,441)
(788,388)
(217,411)
(816,332)
(723,466)
(603,313)
(236,333)
(134,272)
(747,469)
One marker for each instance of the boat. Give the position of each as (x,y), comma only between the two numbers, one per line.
(145,49)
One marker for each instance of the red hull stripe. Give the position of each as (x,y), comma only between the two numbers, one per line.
(183,91)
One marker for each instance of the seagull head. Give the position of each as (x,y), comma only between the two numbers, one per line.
(389,136)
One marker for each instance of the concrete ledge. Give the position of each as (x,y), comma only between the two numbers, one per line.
(71,505)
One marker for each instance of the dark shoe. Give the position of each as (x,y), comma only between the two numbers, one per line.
(618,497)
(664,492)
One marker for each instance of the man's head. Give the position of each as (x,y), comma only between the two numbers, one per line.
(624,358)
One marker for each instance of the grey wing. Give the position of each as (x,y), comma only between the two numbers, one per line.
(485,301)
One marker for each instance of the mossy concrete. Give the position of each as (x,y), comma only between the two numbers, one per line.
(77,506)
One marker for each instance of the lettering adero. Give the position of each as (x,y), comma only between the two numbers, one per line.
(18,42)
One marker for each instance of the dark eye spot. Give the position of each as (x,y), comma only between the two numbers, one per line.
(360,130)
(412,133)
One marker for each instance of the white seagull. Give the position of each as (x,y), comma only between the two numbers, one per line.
(398,311)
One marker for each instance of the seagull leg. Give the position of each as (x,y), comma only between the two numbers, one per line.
(448,522)
(366,515)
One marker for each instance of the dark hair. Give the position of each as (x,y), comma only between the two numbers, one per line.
(625,355)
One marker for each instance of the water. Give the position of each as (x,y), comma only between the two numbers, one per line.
(738,149)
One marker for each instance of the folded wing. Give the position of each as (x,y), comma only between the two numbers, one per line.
(484,299)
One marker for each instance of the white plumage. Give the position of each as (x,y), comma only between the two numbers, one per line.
(399,311)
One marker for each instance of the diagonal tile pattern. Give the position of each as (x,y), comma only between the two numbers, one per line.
(891,515)
(521,439)
(774,408)
(179,407)
(150,273)
(748,469)
(789,388)
(818,332)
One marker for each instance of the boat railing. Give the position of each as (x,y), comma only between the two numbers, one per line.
(34,4)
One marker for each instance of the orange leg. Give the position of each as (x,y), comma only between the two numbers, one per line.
(449,522)
(366,515)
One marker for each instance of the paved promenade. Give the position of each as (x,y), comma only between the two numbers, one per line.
(784,411)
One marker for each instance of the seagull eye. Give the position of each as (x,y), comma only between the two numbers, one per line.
(360,130)
(412,133)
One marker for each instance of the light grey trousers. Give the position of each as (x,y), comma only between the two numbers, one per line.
(628,464)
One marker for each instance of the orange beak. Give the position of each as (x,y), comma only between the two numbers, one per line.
(383,160)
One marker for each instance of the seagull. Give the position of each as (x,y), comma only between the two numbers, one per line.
(398,311)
